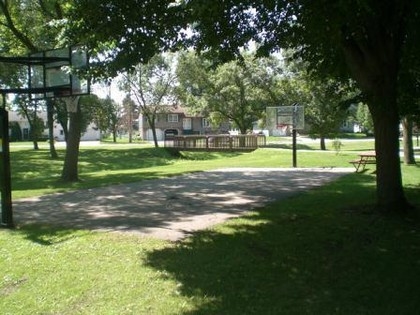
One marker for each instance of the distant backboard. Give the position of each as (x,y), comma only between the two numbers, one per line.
(278,117)
(58,73)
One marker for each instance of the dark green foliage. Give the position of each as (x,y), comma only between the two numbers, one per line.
(125,33)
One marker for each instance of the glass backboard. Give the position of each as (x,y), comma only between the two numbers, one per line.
(280,116)
(59,73)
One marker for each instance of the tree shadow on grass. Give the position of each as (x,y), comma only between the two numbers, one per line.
(206,155)
(322,254)
(289,146)
(48,235)
(170,207)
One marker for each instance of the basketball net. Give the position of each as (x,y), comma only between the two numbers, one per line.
(71,103)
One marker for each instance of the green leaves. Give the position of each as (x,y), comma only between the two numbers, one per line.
(235,91)
(126,33)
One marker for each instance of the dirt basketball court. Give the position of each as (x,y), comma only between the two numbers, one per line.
(171,208)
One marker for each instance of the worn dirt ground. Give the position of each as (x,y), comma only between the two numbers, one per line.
(171,208)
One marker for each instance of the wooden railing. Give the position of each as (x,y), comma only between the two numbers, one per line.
(216,142)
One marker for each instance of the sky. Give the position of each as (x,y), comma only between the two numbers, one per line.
(113,91)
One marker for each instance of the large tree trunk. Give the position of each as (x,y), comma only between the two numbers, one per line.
(409,157)
(242,141)
(71,160)
(390,194)
(375,68)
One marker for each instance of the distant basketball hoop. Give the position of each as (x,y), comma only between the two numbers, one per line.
(281,116)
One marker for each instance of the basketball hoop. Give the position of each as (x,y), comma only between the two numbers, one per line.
(282,127)
(281,117)
(71,103)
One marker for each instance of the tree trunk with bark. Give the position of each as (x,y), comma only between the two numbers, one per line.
(152,124)
(322,143)
(407,125)
(390,194)
(70,171)
(375,68)
(35,143)
(130,125)
(50,122)
(114,135)
(155,141)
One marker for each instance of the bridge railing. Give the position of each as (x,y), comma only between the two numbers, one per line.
(216,142)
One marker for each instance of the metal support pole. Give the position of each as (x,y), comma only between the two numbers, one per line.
(294,133)
(5,181)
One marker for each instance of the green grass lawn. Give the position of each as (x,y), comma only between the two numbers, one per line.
(325,251)
(34,173)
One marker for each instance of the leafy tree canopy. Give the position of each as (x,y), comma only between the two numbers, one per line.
(234,91)
(30,26)
(121,34)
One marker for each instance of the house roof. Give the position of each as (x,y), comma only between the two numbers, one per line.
(178,109)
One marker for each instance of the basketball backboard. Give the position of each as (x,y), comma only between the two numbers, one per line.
(58,73)
(280,116)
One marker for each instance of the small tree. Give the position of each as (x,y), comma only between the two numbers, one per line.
(364,118)
(106,116)
(152,87)
(324,112)
(127,116)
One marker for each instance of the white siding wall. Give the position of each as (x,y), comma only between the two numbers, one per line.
(92,133)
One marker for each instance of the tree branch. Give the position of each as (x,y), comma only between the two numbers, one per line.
(57,13)
(4,6)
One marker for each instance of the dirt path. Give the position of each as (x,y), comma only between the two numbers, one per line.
(171,208)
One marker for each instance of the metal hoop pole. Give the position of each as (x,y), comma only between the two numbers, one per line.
(5,181)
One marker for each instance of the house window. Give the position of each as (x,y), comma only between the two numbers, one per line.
(206,122)
(187,123)
(172,117)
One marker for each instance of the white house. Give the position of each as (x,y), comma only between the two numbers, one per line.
(92,132)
